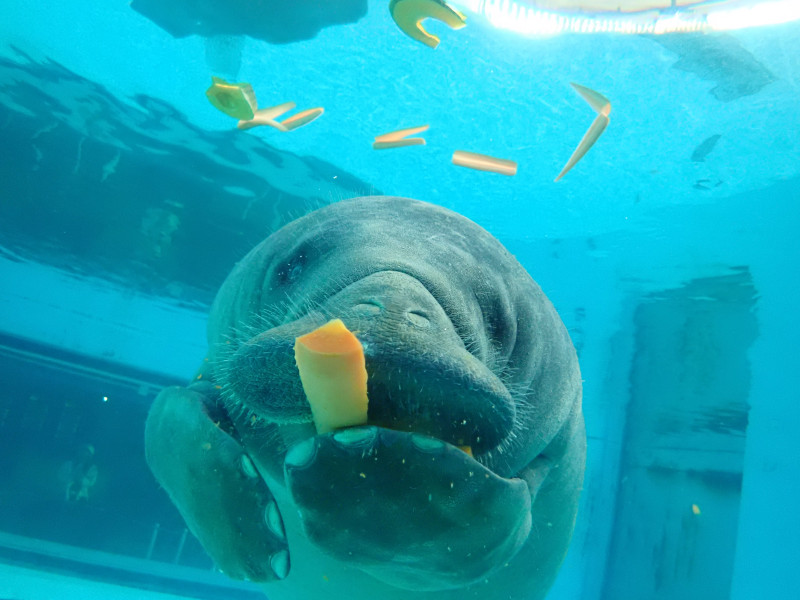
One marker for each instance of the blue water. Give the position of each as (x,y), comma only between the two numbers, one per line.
(670,252)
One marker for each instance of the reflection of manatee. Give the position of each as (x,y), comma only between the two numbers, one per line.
(462,348)
(274,21)
(720,58)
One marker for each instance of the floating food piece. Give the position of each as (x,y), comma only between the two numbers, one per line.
(398,143)
(237,100)
(393,136)
(600,104)
(398,139)
(409,14)
(467,449)
(481,162)
(267,116)
(302,118)
(588,140)
(695,509)
(602,107)
(334,377)
(273,112)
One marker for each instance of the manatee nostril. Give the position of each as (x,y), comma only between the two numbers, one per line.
(368,308)
(418,318)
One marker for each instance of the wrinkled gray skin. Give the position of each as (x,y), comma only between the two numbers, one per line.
(461,348)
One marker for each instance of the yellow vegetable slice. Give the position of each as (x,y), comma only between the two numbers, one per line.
(398,143)
(482,162)
(602,106)
(237,100)
(394,136)
(267,116)
(273,112)
(409,14)
(302,118)
(334,377)
(597,127)
(398,139)
(260,119)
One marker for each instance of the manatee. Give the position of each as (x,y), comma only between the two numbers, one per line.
(461,347)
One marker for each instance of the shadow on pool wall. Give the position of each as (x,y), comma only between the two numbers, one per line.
(677,504)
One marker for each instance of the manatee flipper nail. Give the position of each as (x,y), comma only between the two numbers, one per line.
(215,486)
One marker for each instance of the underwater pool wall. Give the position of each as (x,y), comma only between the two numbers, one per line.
(93,318)
(767,549)
(756,230)
(583,284)
(679,487)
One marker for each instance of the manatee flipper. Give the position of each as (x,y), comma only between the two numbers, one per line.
(408,509)
(209,477)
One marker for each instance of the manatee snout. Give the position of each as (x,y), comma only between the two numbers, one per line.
(421,377)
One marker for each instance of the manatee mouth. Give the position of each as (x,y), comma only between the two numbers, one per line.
(421,377)
(453,398)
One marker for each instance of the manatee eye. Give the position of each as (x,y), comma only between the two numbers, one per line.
(295,272)
(292,270)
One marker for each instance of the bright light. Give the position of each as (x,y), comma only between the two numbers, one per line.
(759,15)
(522,18)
